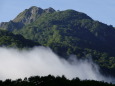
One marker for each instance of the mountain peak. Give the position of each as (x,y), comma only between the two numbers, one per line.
(35,10)
(31,14)
(26,17)
(33,7)
(49,10)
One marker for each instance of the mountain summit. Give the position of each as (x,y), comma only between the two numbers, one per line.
(30,15)
(26,17)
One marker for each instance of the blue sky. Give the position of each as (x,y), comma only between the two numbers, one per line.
(101,10)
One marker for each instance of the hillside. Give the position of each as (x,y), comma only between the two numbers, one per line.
(8,39)
(67,32)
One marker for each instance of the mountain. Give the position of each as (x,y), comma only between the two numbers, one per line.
(26,17)
(29,15)
(8,39)
(67,32)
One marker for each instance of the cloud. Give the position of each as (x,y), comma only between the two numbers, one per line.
(42,61)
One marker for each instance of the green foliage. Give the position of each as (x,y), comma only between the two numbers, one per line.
(52,81)
(8,39)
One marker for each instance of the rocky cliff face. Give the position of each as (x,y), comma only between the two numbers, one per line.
(11,25)
(30,15)
(3,25)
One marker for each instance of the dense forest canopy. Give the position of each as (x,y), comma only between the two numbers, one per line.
(52,81)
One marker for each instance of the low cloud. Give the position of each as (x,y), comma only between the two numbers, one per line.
(42,61)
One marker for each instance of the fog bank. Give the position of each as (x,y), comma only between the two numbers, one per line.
(42,61)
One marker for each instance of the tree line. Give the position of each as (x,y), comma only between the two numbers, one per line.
(52,81)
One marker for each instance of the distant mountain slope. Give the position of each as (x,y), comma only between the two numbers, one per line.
(8,39)
(67,32)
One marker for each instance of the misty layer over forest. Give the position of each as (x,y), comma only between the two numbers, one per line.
(42,61)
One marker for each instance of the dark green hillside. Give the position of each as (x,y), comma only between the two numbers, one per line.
(8,39)
(70,28)
(68,32)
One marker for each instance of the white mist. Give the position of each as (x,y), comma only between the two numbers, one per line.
(42,61)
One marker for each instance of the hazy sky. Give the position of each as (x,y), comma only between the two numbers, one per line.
(101,10)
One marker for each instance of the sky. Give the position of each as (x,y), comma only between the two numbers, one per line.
(99,10)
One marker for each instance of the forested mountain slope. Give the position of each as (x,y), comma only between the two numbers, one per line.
(67,32)
(8,39)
